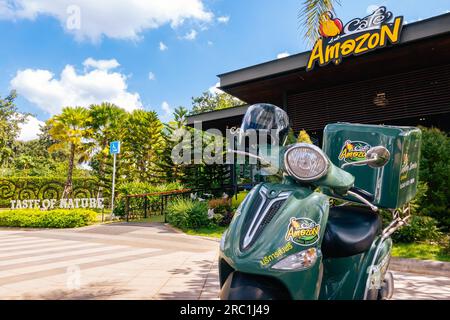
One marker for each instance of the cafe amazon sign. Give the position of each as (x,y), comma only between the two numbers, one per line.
(359,36)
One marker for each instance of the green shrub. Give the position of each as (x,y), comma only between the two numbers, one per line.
(142,188)
(223,211)
(238,199)
(35,218)
(119,208)
(420,228)
(445,244)
(186,213)
(435,172)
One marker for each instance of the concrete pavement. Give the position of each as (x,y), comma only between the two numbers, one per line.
(117,261)
(132,261)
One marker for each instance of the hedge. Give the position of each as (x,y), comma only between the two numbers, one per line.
(13,188)
(35,218)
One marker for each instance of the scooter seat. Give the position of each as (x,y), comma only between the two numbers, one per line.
(350,230)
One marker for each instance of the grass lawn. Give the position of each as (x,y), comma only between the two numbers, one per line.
(213,232)
(421,251)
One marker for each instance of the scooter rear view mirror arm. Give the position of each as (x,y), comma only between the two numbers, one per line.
(243,153)
(358,163)
(363,200)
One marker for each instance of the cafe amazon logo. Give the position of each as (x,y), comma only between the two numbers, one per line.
(354,151)
(302,231)
(358,36)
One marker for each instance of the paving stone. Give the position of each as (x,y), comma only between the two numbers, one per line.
(133,262)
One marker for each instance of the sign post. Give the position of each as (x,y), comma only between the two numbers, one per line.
(114,149)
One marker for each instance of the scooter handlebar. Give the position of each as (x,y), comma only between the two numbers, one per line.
(361,196)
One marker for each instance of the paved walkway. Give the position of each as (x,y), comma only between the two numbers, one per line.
(115,261)
(409,286)
(131,261)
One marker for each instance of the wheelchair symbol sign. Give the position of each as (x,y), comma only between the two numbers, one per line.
(114,147)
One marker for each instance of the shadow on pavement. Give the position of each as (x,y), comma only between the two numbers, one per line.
(203,280)
(93,291)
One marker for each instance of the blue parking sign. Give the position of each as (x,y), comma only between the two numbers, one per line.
(114,147)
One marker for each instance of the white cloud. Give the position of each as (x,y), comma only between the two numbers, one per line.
(371,8)
(283,55)
(30,129)
(87,19)
(223,19)
(215,89)
(192,35)
(151,76)
(51,94)
(162,46)
(101,64)
(168,112)
(210,43)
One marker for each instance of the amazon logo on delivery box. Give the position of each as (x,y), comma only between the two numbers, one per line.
(359,36)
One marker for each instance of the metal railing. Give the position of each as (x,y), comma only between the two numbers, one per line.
(150,204)
(138,206)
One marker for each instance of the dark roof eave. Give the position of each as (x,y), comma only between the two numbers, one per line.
(411,32)
(217,114)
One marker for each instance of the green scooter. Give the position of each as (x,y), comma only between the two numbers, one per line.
(317,233)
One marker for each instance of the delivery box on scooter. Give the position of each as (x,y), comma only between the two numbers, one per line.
(393,185)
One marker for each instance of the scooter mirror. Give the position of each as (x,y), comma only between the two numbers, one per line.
(379,157)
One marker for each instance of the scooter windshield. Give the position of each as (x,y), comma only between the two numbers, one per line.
(267,119)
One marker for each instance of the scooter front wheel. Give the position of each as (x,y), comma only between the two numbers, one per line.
(240,286)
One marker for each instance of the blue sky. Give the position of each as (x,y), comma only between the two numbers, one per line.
(201,38)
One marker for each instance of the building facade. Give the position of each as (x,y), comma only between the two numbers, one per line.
(406,83)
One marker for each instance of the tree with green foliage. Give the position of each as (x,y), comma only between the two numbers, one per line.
(32,158)
(311,14)
(434,170)
(107,125)
(210,102)
(71,129)
(142,146)
(10,119)
(173,134)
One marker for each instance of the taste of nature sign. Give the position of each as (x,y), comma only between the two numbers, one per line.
(359,36)
(50,204)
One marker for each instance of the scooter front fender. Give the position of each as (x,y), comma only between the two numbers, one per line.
(259,237)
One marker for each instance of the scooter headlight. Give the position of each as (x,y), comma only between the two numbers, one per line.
(305,162)
(298,261)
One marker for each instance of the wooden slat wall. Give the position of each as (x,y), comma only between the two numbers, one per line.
(417,93)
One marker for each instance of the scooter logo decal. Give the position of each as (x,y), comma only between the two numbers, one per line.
(354,151)
(303,231)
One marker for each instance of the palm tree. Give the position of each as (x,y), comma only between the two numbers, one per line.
(70,130)
(180,114)
(107,125)
(310,15)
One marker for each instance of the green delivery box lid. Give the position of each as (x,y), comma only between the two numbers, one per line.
(393,185)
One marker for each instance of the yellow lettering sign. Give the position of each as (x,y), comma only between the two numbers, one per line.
(350,40)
